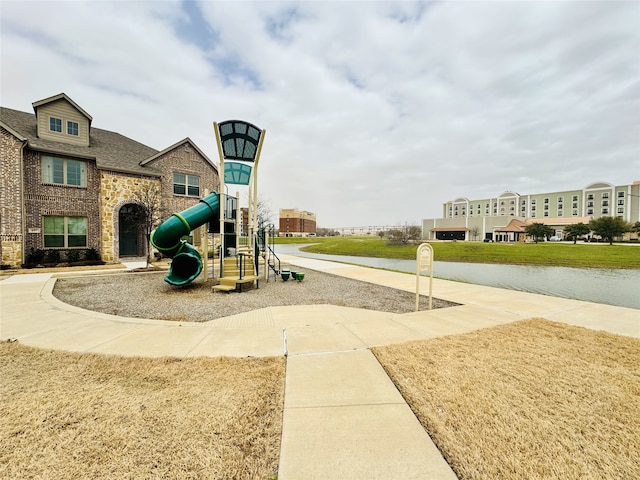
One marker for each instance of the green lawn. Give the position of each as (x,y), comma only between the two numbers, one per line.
(555,254)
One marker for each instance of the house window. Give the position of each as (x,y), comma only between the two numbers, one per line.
(186,185)
(65,232)
(55,124)
(63,171)
(72,128)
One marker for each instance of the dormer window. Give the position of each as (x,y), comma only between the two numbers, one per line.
(72,128)
(55,124)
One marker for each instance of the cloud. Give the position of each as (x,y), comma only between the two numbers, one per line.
(376,112)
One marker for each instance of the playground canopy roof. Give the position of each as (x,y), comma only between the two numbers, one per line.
(237,173)
(239,140)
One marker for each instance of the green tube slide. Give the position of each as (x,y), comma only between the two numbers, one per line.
(167,239)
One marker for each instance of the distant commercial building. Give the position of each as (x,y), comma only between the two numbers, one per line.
(296,223)
(363,231)
(504,218)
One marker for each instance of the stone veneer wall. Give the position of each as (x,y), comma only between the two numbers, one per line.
(11,226)
(117,190)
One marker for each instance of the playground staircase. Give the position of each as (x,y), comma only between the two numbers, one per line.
(238,271)
(265,244)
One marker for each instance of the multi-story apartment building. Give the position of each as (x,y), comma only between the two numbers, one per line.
(66,185)
(503,218)
(296,223)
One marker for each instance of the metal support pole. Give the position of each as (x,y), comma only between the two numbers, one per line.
(222,202)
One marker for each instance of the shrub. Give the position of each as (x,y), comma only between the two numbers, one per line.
(52,256)
(93,254)
(73,256)
(35,257)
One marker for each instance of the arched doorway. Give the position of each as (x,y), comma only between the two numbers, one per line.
(131,231)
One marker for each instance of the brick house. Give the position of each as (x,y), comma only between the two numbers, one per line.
(66,185)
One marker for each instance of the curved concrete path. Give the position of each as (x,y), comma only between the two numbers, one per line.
(343,417)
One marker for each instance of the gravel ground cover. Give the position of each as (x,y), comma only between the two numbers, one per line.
(146,295)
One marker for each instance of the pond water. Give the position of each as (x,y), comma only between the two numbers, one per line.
(610,286)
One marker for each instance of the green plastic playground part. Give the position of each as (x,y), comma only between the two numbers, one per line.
(185,267)
(186,264)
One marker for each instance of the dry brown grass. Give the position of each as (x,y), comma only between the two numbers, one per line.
(66,415)
(532,399)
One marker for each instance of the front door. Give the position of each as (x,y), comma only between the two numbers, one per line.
(128,222)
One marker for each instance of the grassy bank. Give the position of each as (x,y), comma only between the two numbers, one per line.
(545,254)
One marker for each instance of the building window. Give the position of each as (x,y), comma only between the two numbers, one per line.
(620,194)
(574,205)
(546,200)
(546,214)
(605,203)
(590,196)
(560,199)
(621,201)
(605,211)
(574,198)
(546,207)
(589,204)
(63,171)
(55,124)
(533,208)
(65,232)
(533,202)
(574,212)
(560,213)
(605,195)
(533,215)
(72,128)
(589,211)
(186,185)
(620,209)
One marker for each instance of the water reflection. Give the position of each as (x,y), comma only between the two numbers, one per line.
(609,286)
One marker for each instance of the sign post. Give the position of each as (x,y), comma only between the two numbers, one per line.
(424,261)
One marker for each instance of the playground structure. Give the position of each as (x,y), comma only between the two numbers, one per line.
(240,253)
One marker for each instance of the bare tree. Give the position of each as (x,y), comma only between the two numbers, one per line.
(148,214)
(403,234)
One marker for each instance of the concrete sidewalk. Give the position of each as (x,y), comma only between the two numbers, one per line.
(343,417)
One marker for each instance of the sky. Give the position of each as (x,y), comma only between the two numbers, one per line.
(376,113)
